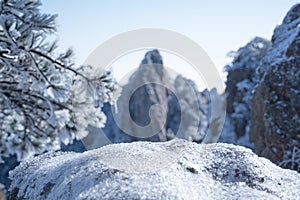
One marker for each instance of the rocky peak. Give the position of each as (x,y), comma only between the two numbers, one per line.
(152,57)
(275,105)
(179,102)
(285,40)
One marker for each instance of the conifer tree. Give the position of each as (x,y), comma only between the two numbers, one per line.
(44,98)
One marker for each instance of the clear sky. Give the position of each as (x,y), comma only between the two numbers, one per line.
(217,26)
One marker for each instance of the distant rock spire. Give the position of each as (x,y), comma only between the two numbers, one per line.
(152,57)
(182,110)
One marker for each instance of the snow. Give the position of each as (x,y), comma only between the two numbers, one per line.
(39,106)
(241,81)
(276,98)
(177,169)
(283,37)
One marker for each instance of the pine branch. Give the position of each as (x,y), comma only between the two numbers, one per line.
(58,63)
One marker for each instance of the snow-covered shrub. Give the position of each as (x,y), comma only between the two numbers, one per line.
(292,159)
(44,98)
(241,80)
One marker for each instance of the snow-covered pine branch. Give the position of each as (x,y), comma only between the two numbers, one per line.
(44,98)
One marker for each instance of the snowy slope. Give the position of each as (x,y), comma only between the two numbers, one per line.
(177,169)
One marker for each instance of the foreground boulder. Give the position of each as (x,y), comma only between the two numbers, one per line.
(177,169)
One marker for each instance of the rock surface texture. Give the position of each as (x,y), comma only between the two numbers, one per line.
(275,125)
(177,169)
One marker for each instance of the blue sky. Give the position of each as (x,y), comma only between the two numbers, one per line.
(217,26)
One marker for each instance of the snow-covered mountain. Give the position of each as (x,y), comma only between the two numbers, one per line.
(182,109)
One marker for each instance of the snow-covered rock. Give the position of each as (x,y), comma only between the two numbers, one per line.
(177,169)
(11,162)
(241,80)
(275,125)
